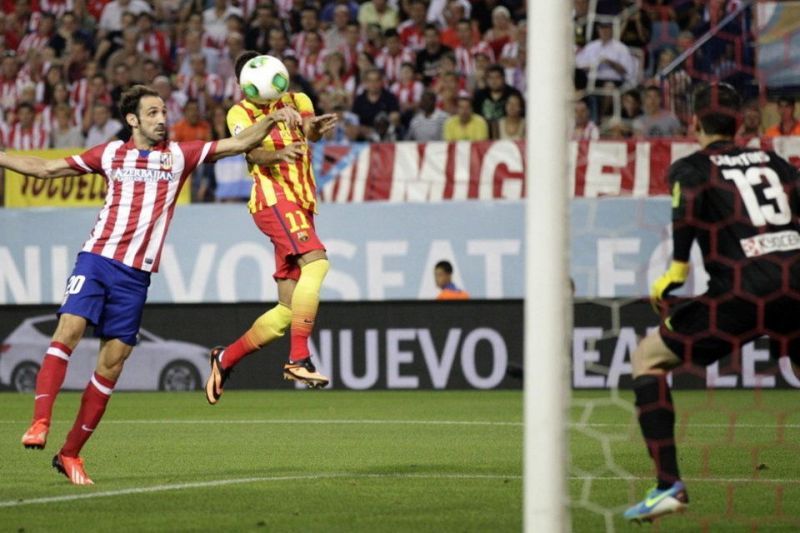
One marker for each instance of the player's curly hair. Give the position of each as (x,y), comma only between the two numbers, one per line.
(717,106)
(243,58)
(129,101)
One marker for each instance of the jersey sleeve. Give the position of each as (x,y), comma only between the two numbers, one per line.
(90,161)
(303,104)
(238,119)
(194,153)
(686,203)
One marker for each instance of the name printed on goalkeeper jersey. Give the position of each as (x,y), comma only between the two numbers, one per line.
(745,159)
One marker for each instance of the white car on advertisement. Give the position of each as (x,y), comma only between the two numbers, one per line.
(156,363)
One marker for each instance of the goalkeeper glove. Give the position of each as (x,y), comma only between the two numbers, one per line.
(673,278)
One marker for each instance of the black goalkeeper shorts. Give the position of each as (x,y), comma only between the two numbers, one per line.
(705,329)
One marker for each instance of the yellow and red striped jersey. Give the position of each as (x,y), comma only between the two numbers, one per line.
(295,181)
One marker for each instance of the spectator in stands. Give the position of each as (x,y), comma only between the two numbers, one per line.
(336,35)
(309,23)
(377,12)
(655,121)
(111,18)
(428,57)
(616,129)
(609,58)
(788,124)
(174,100)
(193,45)
(393,55)
(64,133)
(373,100)
(454,12)
(311,63)
(102,128)
(153,43)
(150,71)
(386,128)
(257,35)
(412,30)
(512,125)
(408,91)
(448,88)
(580,24)
(491,101)
(68,30)
(202,85)
(631,107)
(584,129)
(120,82)
(502,30)
(428,124)
(9,84)
(336,81)
(214,20)
(465,125)
(41,37)
(128,56)
(636,26)
(192,127)
(751,124)
(278,42)
(328,9)
(25,134)
(443,276)
(346,130)
(305,86)
(466,52)
(80,55)
(446,13)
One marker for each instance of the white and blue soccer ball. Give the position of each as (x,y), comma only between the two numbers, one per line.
(263,79)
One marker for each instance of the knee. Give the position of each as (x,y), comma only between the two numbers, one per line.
(70,330)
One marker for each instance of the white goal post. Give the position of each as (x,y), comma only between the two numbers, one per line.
(548,309)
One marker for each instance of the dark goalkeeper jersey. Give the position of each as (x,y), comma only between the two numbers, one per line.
(742,206)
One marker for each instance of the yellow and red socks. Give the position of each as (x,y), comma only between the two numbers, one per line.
(49,380)
(657,420)
(305,302)
(266,328)
(93,405)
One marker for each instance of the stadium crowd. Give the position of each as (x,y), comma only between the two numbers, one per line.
(638,61)
(392,69)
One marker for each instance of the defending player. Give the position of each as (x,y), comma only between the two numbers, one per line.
(282,203)
(741,205)
(108,285)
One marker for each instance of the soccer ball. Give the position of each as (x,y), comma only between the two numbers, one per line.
(264,78)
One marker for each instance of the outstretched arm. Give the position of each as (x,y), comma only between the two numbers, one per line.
(252,136)
(38,167)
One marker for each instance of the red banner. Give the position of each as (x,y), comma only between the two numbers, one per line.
(494,170)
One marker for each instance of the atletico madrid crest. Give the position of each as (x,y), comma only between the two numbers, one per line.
(166,160)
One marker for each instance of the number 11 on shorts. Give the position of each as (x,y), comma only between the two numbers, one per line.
(293,218)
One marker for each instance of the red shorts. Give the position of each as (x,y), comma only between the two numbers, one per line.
(291,230)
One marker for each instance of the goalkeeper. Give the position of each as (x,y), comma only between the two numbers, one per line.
(741,206)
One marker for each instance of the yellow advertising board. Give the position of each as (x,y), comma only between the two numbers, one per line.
(88,190)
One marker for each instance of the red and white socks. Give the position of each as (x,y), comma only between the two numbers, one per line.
(49,380)
(93,405)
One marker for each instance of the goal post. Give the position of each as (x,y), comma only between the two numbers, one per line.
(548,308)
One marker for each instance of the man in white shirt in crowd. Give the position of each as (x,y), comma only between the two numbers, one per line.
(103,128)
(613,60)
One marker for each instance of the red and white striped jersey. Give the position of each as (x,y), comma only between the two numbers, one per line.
(211,83)
(47,118)
(390,64)
(298,44)
(9,91)
(156,46)
(79,93)
(143,187)
(32,41)
(232,90)
(56,7)
(311,67)
(411,35)
(465,57)
(34,138)
(408,93)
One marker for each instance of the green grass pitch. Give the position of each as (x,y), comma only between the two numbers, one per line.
(390,461)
